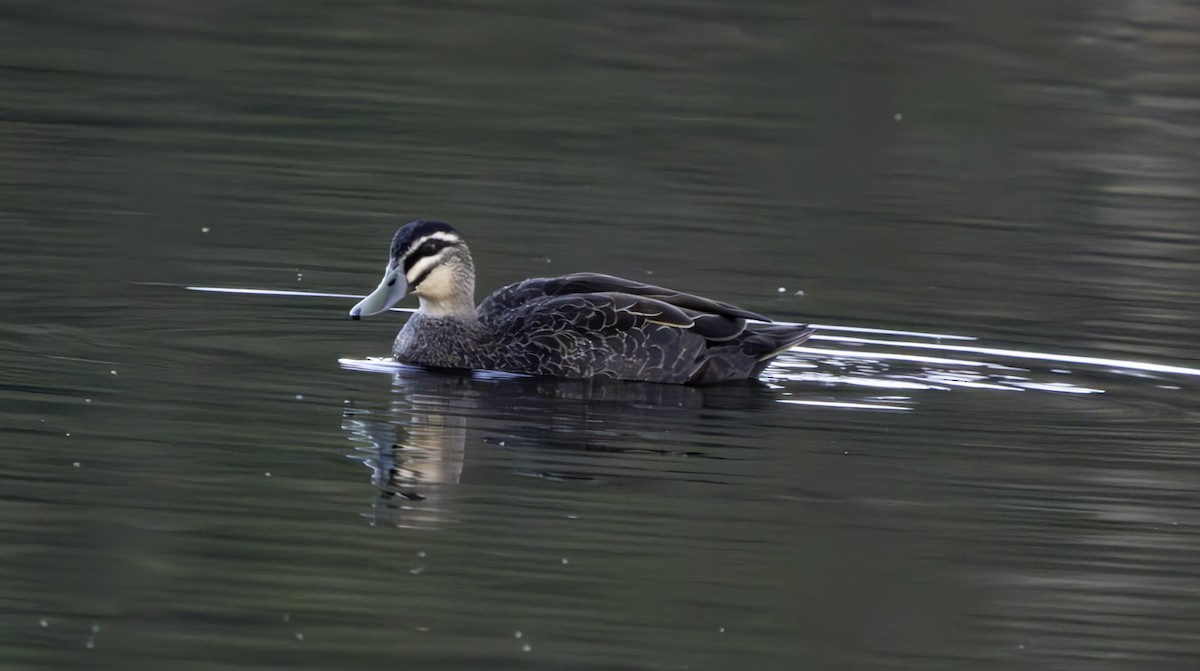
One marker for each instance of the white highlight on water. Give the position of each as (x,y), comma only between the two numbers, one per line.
(1022,354)
(844,404)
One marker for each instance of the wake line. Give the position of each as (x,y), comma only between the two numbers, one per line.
(969,349)
(1021,354)
(275,292)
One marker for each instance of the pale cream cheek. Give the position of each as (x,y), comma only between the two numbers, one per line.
(438,285)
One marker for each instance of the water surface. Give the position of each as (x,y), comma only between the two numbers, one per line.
(202,480)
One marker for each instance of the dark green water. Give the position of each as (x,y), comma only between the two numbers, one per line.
(213,481)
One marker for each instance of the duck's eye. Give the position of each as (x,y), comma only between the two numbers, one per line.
(392,282)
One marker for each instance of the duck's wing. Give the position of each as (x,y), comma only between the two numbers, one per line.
(592,325)
(608,334)
(606,313)
(516,295)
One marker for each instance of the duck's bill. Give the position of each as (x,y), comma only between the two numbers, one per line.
(390,291)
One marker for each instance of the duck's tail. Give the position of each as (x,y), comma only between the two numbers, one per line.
(749,354)
(779,338)
(772,340)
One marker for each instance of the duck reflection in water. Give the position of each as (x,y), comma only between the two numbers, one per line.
(417,446)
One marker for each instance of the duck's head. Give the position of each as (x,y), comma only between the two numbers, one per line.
(429,259)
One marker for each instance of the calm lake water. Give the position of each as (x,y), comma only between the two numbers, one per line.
(194,480)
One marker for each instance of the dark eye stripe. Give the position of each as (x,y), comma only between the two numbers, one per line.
(427,248)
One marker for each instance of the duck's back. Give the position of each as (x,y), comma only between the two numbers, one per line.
(591,325)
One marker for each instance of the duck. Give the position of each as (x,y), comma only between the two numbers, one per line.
(582,325)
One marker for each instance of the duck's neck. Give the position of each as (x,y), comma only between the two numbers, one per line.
(459,307)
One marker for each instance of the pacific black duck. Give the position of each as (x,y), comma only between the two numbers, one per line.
(576,326)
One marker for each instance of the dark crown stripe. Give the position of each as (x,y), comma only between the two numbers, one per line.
(415,231)
(424,249)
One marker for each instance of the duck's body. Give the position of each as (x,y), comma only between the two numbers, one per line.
(576,326)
